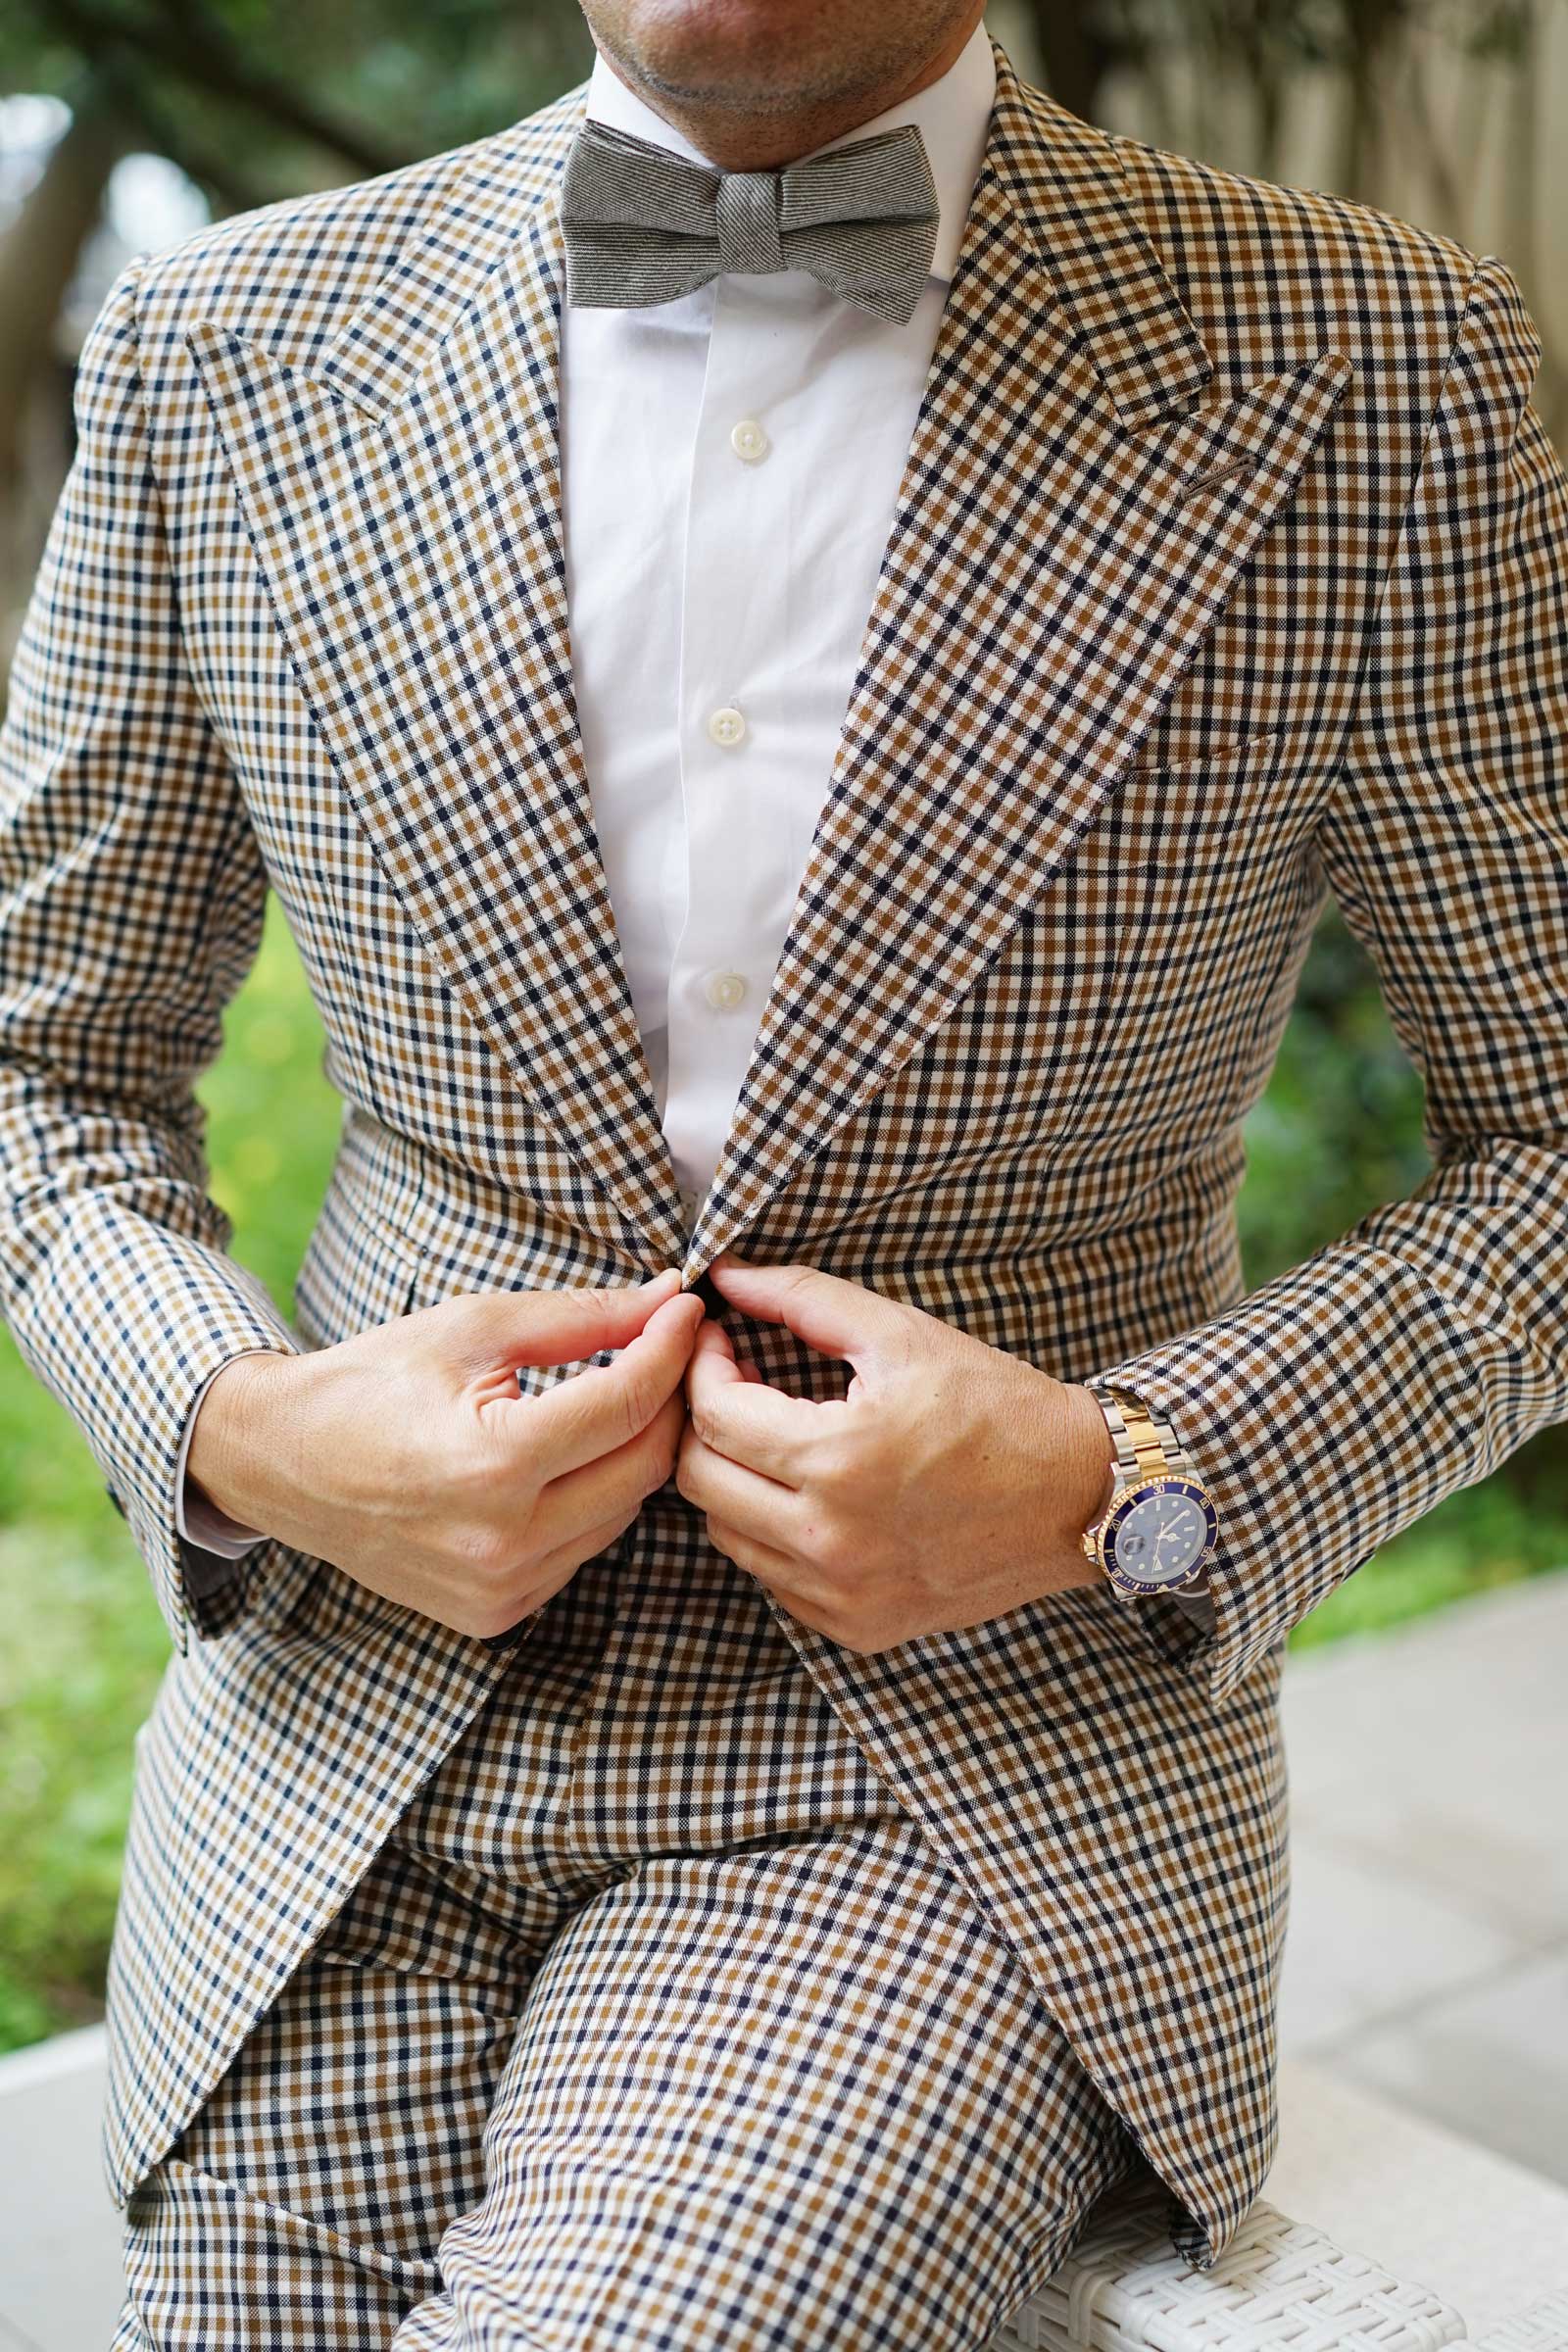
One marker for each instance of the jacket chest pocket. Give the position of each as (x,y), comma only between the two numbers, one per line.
(1228,822)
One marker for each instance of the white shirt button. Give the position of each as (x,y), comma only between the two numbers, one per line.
(688,1206)
(725,991)
(726,726)
(749,441)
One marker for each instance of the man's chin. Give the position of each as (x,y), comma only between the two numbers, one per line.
(747,61)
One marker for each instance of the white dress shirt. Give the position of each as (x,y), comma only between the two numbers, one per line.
(730,465)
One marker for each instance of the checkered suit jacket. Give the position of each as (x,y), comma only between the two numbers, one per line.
(1230,567)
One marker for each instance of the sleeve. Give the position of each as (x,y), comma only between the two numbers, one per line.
(131,898)
(202,1526)
(1337,1404)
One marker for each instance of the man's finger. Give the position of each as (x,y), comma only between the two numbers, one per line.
(770,1566)
(602,1407)
(558,1327)
(835,1316)
(758,1506)
(619,1480)
(743,1419)
(716,1334)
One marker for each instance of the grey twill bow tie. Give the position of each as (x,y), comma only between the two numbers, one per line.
(643,224)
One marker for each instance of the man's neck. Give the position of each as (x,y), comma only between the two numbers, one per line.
(739,142)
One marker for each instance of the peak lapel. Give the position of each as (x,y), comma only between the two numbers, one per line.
(403,497)
(1057,553)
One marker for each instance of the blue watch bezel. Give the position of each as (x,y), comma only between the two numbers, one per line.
(1125,1501)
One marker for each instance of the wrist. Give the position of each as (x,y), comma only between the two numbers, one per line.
(232,1444)
(1087,1471)
(1095,1450)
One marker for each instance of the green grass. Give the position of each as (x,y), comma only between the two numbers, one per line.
(86,1644)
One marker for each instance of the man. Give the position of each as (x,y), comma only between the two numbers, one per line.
(802,687)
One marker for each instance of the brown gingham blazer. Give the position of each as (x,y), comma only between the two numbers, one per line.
(1230,567)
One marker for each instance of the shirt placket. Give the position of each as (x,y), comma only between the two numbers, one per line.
(739,872)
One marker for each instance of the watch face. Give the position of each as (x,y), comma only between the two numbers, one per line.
(1161,1531)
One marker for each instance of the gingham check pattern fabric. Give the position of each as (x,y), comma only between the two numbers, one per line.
(642,225)
(1229,568)
(656,2023)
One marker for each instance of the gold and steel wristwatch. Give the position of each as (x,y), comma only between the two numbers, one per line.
(1160,1529)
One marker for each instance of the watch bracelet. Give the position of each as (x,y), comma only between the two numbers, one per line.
(1196,1604)
(1131,1462)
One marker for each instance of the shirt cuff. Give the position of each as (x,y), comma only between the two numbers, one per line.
(199,1521)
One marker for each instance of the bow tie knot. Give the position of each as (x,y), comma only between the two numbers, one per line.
(746,222)
(643,224)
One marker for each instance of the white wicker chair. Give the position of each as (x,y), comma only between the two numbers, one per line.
(1280,2286)
(1543,2327)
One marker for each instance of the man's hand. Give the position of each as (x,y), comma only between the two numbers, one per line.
(951,1483)
(407,1456)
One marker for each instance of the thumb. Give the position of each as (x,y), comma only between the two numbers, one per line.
(559,1327)
(835,1316)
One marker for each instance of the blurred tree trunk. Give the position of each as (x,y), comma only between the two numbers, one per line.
(1075,59)
(39,253)
(38,258)
(1528,93)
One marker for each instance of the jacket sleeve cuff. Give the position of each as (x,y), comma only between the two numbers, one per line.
(216,1310)
(1218,1632)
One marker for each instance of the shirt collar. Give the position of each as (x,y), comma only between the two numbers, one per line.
(951,114)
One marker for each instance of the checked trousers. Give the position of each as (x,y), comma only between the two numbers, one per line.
(656,2023)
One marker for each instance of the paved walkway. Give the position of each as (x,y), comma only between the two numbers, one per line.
(1426,1977)
(1427,1951)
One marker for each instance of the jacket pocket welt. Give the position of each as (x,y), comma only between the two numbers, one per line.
(1175,760)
